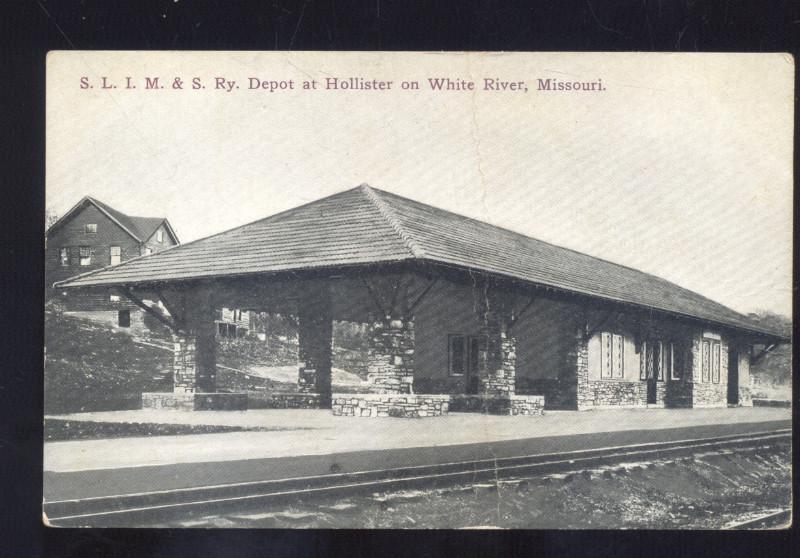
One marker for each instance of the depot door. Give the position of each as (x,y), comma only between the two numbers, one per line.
(473,363)
(652,370)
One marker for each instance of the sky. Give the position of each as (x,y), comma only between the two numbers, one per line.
(680,167)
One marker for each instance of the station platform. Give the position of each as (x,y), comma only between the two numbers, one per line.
(306,443)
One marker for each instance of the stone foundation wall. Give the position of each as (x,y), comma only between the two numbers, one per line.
(710,394)
(498,405)
(607,393)
(745,397)
(526,405)
(187,401)
(390,405)
(264,400)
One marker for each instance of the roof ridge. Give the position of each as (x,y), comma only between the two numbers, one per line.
(527,237)
(388,214)
(114,214)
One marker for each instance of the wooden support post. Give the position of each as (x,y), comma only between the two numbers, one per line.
(127,293)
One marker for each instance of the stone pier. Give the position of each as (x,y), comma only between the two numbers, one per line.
(315,336)
(194,370)
(497,359)
(390,359)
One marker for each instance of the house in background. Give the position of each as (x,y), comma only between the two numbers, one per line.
(232,322)
(90,236)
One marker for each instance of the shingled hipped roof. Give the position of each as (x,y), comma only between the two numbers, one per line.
(365,225)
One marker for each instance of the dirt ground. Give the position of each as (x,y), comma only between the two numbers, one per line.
(711,490)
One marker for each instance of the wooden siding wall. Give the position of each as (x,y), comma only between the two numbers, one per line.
(543,337)
(153,242)
(448,308)
(545,333)
(72,235)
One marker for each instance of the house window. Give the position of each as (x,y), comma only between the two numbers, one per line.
(160,235)
(612,362)
(116,254)
(86,255)
(124,318)
(113,298)
(706,366)
(715,358)
(148,251)
(90,228)
(64,255)
(458,354)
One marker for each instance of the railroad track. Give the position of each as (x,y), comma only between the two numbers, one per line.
(154,506)
(771,520)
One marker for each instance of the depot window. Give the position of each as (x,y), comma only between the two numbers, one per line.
(463,354)
(678,354)
(612,362)
(64,256)
(655,358)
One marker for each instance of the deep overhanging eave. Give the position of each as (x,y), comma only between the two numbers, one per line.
(75,283)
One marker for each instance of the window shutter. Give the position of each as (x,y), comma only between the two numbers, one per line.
(643,361)
(605,355)
(715,355)
(706,361)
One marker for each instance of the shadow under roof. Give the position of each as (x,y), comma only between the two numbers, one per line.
(365,225)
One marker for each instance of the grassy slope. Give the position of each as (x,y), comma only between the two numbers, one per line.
(772,375)
(92,367)
(95,367)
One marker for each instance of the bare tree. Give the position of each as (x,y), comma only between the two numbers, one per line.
(50,217)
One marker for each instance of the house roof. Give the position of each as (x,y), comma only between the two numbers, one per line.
(365,225)
(140,228)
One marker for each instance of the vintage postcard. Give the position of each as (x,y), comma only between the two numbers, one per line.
(418,290)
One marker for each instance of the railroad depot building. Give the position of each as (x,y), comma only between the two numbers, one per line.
(462,315)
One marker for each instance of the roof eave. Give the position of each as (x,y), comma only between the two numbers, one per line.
(751,332)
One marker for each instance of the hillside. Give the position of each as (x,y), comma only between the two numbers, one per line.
(94,367)
(90,367)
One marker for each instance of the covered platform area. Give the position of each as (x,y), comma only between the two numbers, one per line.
(393,300)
